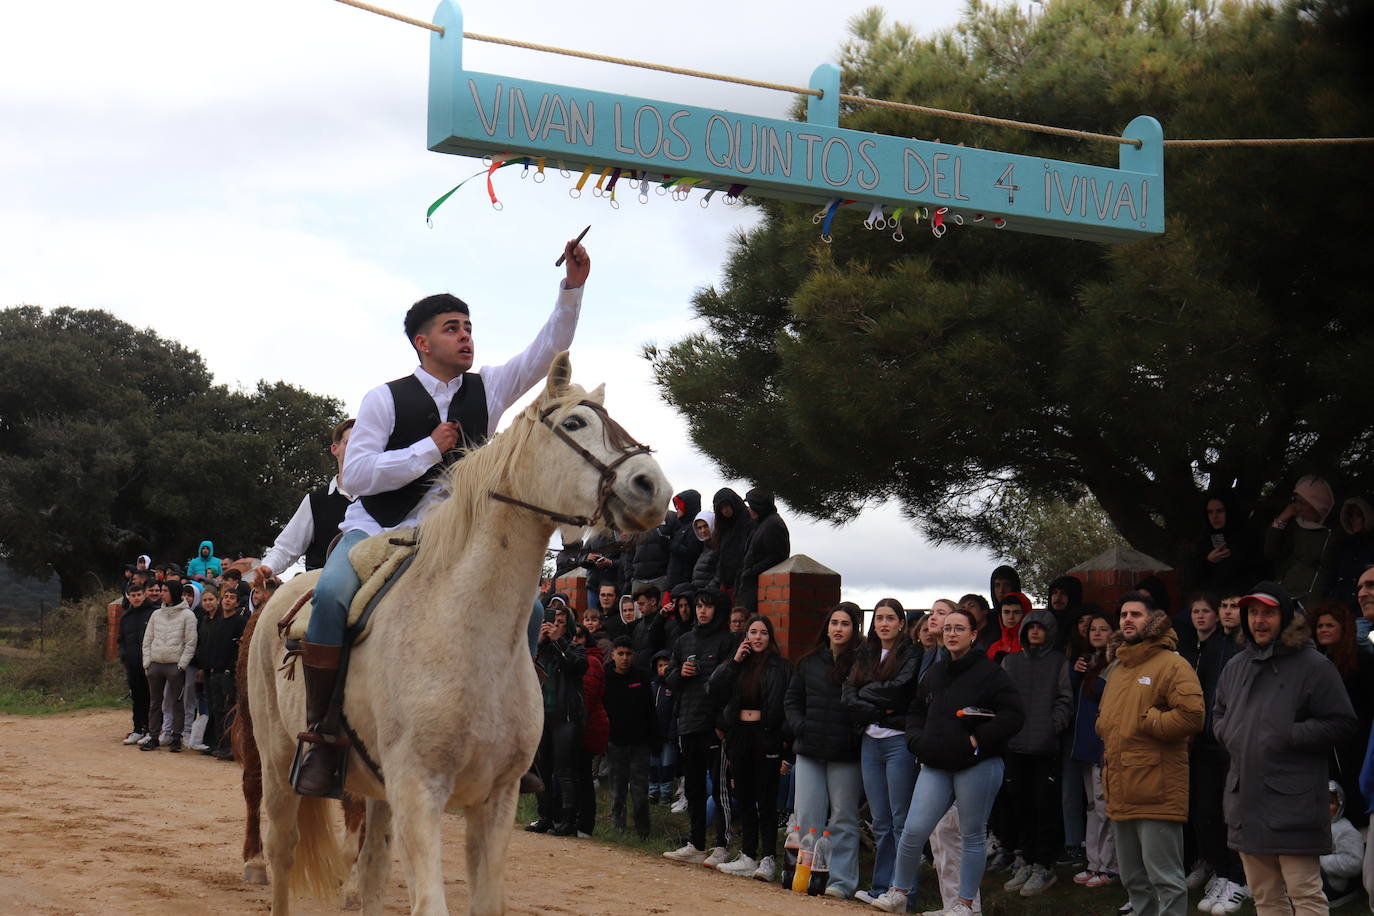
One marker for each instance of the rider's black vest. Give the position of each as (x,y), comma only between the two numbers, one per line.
(416,417)
(327,512)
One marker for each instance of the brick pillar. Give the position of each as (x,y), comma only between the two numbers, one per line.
(796,595)
(113,611)
(1111,574)
(573,583)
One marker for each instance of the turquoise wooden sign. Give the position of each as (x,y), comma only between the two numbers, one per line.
(481,114)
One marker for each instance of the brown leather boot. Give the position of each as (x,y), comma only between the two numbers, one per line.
(316,775)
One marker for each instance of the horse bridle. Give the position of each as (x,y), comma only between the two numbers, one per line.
(616,437)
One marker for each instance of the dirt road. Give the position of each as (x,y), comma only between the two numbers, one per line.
(88,826)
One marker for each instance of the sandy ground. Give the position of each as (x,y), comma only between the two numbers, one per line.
(89,826)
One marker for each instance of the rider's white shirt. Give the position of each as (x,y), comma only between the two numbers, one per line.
(369,469)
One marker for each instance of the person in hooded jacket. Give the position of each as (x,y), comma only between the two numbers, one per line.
(1151,706)
(562,664)
(679,614)
(734,525)
(1299,543)
(650,552)
(1335,637)
(1012,611)
(1208,647)
(1280,712)
(695,657)
(1353,557)
(204,565)
(1066,604)
(1003,581)
(595,731)
(683,546)
(1342,865)
(750,686)
(768,545)
(826,738)
(704,569)
(877,694)
(961,758)
(1041,674)
(1226,556)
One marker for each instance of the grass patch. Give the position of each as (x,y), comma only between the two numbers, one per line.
(669,831)
(72,674)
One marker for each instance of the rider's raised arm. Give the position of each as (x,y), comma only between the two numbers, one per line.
(368,467)
(510,381)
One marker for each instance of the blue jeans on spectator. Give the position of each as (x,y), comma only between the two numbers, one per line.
(828,799)
(334,592)
(974,789)
(889,774)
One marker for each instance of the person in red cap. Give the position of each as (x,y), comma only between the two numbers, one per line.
(1280,711)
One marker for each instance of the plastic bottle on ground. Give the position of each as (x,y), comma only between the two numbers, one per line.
(801,879)
(790,848)
(820,866)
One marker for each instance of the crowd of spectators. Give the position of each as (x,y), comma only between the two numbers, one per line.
(178,640)
(1219,744)
(1213,745)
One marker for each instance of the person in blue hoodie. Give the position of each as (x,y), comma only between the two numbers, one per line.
(205,565)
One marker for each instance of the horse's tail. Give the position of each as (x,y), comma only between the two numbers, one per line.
(246,753)
(320,867)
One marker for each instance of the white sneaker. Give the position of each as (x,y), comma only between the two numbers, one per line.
(134,737)
(1019,876)
(679,806)
(199,747)
(716,856)
(1198,876)
(866,897)
(688,853)
(742,866)
(1041,879)
(891,901)
(959,909)
(1230,900)
(1209,898)
(767,870)
(150,739)
(833,890)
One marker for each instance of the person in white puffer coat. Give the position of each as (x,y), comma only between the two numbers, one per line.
(169,643)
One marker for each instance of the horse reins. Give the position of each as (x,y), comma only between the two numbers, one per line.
(616,437)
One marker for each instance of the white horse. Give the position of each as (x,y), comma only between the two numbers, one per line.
(443,694)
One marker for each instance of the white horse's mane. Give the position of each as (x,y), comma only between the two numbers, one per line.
(445,530)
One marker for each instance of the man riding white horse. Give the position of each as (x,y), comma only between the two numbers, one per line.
(407,430)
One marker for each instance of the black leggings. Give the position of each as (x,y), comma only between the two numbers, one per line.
(1206,786)
(1035,803)
(558,750)
(138,692)
(701,755)
(754,760)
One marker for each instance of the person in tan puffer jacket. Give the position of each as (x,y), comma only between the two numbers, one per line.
(1151,706)
(169,644)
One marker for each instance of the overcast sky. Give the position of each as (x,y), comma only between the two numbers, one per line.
(251,179)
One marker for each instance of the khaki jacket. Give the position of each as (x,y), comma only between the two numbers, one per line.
(1150,708)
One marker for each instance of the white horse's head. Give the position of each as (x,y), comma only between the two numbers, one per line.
(591,472)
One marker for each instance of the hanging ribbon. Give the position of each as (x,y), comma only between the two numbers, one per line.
(577,191)
(829,218)
(496,163)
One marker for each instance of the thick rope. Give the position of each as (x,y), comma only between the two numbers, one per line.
(863,100)
(390,15)
(1276,141)
(985,119)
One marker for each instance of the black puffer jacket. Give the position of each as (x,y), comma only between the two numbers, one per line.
(884,703)
(768,546)
(732,536)
(711,644)
(564,662)
(646,638)
(821,726)
(935,732)
(724,688)
(651,551)
(684,546)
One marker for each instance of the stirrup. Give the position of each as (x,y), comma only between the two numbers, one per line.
(335,788)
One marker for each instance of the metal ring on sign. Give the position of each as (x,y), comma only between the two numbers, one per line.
(497,205)
(939,231)
(868,224)
(706,201)
(538,177)
(574,193)
(958,219)
(660,190)
(597,192)
(818,217)
(999,223)
(644,191)
(487,160)
(563,169)
(615,204)
(826,239)
(978,217)
(880,223)
(898,236)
